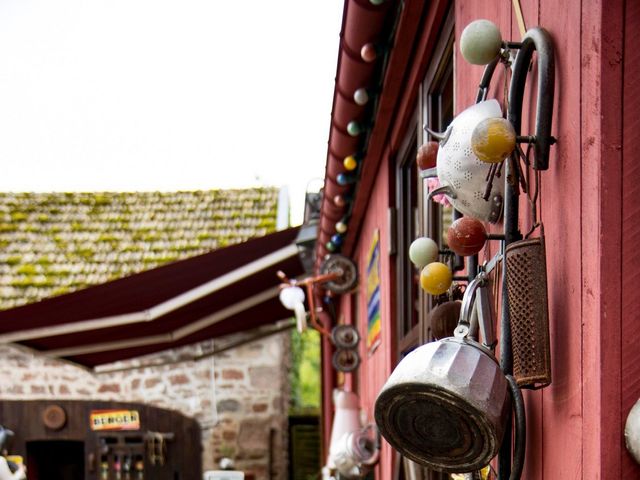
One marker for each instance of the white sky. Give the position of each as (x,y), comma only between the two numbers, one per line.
(166,94)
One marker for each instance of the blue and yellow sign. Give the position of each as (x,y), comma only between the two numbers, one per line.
(373,294)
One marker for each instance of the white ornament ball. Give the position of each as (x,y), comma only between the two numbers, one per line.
(423,251)
(480,42)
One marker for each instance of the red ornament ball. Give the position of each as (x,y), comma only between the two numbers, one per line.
(466,236)
(427,155)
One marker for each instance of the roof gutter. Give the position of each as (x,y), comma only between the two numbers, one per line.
(362,23)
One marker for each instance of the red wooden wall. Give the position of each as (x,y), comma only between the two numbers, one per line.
(590,211)
(575,426)
(630,274)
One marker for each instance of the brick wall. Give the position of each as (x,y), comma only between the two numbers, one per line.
(244,417)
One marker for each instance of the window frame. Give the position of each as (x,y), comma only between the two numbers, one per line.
(426,219)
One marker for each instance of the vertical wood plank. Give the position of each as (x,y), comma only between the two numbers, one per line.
(630,227)
(561,193)
(533,399)
(601,33)
(376,368)
(468,76)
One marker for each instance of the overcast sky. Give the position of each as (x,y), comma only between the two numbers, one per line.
(165,95)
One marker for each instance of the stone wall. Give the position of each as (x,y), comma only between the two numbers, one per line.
(244,417)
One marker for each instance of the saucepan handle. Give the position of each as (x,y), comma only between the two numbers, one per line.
(464,322)
(520,422)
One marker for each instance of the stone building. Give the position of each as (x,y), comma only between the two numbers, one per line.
(56,244)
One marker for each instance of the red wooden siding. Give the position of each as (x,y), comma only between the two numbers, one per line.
(376,368)
(590,210)
(630,380)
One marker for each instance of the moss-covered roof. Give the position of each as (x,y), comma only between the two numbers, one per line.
(54,243)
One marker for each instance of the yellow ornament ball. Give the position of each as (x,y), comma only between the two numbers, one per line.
(493,140)
(350,163)
(436,278)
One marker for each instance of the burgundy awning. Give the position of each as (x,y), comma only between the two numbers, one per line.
(225,291)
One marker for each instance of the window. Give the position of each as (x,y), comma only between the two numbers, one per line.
(437,108)
(408,194)
(414,217)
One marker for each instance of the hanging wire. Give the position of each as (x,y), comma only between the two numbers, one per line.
(533,200)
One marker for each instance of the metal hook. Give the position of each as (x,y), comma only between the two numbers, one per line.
(437,135)
(536,39)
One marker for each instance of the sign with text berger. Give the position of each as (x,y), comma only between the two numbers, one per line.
(114,420)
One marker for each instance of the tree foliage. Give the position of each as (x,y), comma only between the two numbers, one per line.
(305,371)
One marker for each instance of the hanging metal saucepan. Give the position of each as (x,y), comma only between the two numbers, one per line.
(446,404)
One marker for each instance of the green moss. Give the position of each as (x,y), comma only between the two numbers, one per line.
(28,281)
(14,260)
(7,228)
(43,218)
(44,261)
(204,236)
(18,216)
(27,269)
(267,222)
(85,253)
(60,291)
(107,238)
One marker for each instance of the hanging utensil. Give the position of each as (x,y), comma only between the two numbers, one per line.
(461,174)
(528,311)
(446,404)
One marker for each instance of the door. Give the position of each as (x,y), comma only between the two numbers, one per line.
(55,460)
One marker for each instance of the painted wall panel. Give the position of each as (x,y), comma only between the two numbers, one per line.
(561,417)
(575,425)
(555,414)
(630,227)
(376,367)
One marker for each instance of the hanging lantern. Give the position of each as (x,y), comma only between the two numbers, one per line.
(340,201)
(423,251)
(436,278)
(354,128)
(466,236)
(350,163)
(480,42)
(341,227)
(344,179)
(369,52)
(361,96)
(493,140)
(336,239)
(330,246)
